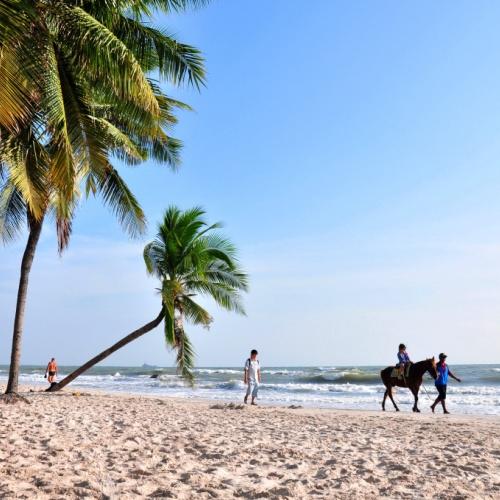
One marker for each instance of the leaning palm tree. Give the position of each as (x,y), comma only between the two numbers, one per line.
(91,102)
(189,258)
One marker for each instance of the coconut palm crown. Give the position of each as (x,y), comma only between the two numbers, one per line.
(77,91)
(191,258)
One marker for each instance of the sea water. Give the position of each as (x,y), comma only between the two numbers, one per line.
(345,387)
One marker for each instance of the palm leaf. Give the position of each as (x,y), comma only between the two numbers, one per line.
(147,7)
(98,51)
(194,313)
(63,169)
(156,49)
(185,353)
(16,56)
(225,296)
(168,295)
(12,212)
(119,142)
(27,163)
(116,194)
(14,98)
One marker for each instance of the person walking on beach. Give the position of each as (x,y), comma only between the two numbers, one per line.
(443,371)
(252,376)
(51,370)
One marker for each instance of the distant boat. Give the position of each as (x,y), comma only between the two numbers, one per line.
(149,367)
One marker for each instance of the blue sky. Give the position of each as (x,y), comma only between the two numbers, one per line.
(352,150)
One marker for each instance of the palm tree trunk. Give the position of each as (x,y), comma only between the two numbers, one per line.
(107,352)
(35,229)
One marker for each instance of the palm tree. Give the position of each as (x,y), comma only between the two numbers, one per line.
(189,258)
(89,101)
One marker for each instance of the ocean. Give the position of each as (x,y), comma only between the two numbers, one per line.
(344,387)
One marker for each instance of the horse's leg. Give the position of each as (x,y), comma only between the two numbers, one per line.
(385,397)
(389,390)
(414,390)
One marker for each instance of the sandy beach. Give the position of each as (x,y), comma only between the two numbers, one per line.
(81,445)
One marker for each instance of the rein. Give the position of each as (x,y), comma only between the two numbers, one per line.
(423,385)
(425,389)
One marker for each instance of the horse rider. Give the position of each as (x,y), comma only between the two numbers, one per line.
(403,359)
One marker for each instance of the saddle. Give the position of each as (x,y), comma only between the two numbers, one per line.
(395,371)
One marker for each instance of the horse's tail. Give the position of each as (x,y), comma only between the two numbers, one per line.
(384,375)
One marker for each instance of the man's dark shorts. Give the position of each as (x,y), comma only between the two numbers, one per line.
(442,391)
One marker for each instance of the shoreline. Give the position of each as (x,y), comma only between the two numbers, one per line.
(312,387)
(406,409)
(424,404)
(99,444)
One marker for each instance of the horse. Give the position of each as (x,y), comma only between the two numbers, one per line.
(413,381)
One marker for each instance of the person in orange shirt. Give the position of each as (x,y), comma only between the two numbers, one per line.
(51,370)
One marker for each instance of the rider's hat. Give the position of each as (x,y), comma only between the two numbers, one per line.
(402,346)
(442,356)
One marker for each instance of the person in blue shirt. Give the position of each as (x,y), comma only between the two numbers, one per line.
(403,359)
(443,371)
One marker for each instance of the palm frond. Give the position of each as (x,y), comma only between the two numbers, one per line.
(147,7)
(14,98)
(63,169)
(225,296)
(162,148)
(27,163)
(220,272)
(156,49)
(119,142)
(98,51)
(116,194)
(168,329)
(149,260)
(12,212)
(185,353)
(154,258)
(194,313)
(63,211)
(168,296)
(16,54)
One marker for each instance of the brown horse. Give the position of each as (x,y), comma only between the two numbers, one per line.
(413,381)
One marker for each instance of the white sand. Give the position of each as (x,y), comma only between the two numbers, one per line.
(107,446)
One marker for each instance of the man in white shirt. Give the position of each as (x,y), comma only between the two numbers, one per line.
(252,376)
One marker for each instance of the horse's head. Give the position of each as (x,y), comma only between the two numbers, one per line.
(431,367)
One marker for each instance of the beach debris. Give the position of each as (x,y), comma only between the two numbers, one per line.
(226,406)
(295,407)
